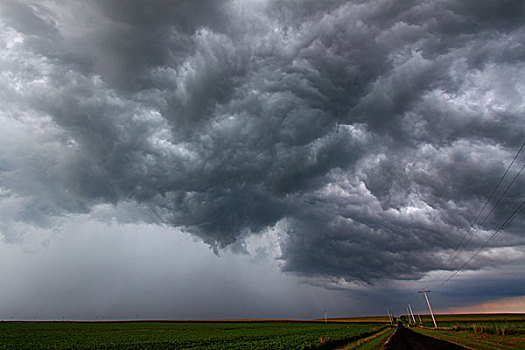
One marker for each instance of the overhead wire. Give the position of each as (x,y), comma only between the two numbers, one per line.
(460,244)
(469,239)
(495,205)
(517,211)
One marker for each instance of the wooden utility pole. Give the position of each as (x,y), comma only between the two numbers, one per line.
(389,316)
(410,308)
(425,292)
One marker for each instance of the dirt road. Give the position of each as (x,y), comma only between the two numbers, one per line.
(405,339)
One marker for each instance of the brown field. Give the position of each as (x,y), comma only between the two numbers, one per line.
(363,319)
(446,320)
(477,317)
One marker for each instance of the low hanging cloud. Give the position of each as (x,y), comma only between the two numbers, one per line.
(369,134)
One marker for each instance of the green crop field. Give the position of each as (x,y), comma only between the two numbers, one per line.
(180,335)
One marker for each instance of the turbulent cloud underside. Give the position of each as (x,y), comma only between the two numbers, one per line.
(368,134)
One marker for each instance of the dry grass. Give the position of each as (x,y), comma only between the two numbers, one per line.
(479,341)
(516,317)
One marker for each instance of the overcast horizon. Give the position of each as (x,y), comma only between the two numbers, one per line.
(260,158)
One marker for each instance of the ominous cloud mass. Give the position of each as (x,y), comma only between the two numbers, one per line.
(366,134)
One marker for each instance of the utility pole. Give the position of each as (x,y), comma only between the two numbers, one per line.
(389,316)
(325,319)
(410,308)
(425,292)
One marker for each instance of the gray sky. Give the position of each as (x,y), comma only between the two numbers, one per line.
(257,158)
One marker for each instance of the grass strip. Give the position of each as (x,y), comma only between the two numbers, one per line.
(374,341)
(471,340)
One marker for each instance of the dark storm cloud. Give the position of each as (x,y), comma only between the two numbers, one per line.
(368,133)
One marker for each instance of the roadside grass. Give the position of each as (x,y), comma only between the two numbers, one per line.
(478,331)
(377,343)
(374,342)
(491,328)
(480,340)
(497,324)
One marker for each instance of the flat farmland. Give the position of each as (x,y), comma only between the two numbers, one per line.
(462,318)
(479,331)
(482,323)
(181,335)
(363,319)
(477,341)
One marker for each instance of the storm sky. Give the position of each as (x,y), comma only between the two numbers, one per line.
(258,158)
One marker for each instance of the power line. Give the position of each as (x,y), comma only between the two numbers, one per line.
(517,211)
(464,246)
(454,254)
(495,205)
